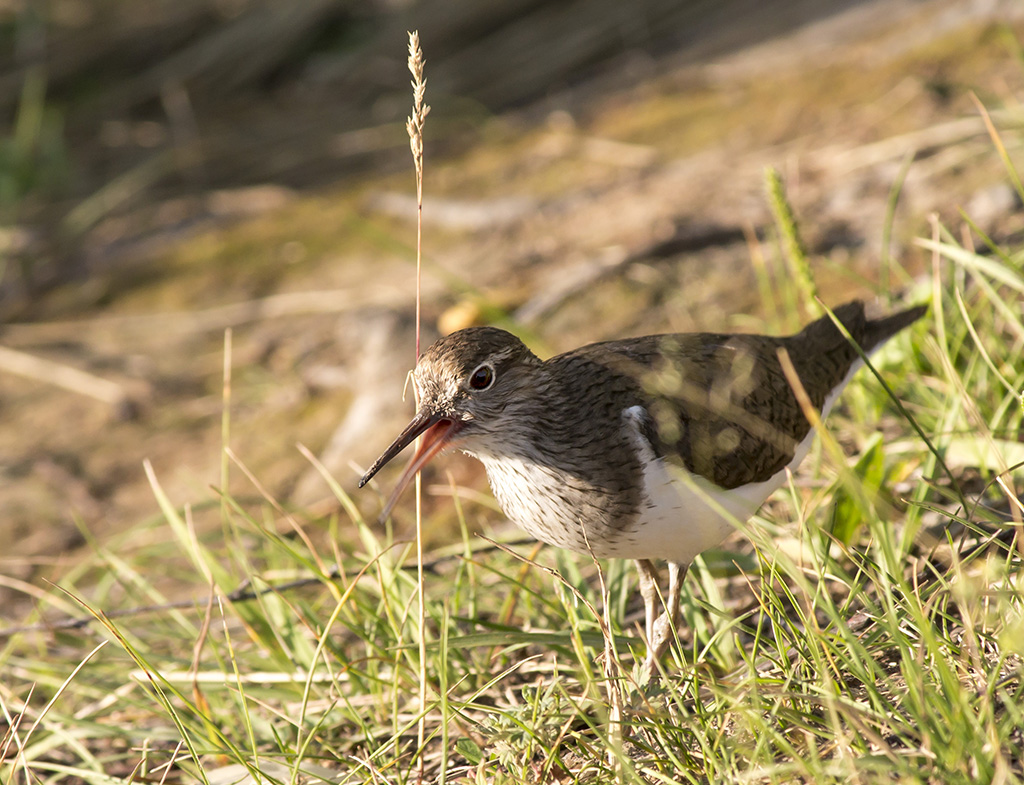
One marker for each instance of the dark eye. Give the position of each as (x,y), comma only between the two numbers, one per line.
(482,378)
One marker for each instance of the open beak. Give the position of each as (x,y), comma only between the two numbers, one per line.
(437,432)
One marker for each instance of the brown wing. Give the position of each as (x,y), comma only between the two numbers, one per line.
(718,404)
(721,404)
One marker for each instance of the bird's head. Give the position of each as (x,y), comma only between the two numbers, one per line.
(464,384)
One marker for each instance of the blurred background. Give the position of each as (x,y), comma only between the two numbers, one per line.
(173,168)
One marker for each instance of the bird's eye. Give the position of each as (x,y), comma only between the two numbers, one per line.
(482,378)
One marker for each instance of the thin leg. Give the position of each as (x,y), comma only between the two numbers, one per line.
(648,575)
(668,622)
(676,576)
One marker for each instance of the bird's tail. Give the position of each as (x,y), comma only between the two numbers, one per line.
(868,332)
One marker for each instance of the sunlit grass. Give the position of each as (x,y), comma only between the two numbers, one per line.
(867,628)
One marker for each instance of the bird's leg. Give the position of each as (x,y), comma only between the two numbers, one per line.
(660,628)
(648,575)
(668,622)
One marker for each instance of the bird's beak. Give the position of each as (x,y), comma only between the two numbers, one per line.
(437,433)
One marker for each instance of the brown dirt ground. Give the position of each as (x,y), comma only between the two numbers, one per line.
(627,203)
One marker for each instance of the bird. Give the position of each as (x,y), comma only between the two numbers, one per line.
(644,448)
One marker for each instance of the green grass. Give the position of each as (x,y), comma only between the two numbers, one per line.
(869,628)
(33,154)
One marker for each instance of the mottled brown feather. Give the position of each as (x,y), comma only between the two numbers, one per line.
(721,404)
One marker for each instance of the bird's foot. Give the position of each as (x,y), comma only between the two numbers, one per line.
(664,634)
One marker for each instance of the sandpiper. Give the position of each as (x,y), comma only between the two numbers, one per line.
(644,448)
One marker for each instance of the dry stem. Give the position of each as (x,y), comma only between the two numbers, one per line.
(414,125)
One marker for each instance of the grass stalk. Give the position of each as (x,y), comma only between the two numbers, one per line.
(794,251)
(225,424)
(414,126)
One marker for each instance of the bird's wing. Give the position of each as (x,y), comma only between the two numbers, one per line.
(720,405)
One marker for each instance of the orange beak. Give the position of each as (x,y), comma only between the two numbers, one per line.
(437,431)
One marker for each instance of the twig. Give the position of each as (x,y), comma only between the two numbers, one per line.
(73,379)
(895,147)
(580,279)
(211,319)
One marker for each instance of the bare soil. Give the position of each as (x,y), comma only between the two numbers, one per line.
(617,191)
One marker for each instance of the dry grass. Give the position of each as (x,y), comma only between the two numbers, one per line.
(886,649)
(868,628)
